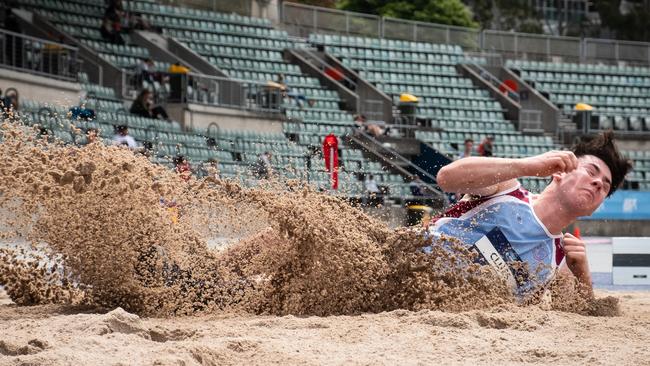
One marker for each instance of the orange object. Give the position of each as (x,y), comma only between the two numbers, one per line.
(576,231)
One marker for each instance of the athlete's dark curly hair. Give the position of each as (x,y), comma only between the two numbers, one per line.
(602,146)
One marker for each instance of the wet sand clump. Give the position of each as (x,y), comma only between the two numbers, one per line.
(127,233)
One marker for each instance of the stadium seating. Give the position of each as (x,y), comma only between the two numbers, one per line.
(620,94)
(250,49)
(82,20)
(245,48)
(457,107)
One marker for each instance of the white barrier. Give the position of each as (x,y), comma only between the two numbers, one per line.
(631,261)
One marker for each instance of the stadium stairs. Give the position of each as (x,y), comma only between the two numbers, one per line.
(451,106)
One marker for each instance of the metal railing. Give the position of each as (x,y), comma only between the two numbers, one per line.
(386,152)
(530,120)
(302,20)
(204,89)
(496,82)
(38,56)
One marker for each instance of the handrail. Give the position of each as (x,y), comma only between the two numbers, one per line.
(40,40)
(398,156)
(323,63)
(304,19)
(38,56)
(494,80)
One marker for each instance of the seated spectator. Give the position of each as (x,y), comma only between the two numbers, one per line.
(183,168)
(81,113)
(109,31)
(486,146)
(143,106)
(467,151)
(362,124)
(375,130)
(263,168)
(122,138)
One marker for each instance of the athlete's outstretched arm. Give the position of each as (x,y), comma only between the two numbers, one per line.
(484,176)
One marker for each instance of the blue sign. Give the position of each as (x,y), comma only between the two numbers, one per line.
(624,205)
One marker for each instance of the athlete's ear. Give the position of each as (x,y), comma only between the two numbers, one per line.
(558,176)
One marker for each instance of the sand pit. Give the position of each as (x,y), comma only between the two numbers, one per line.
(58,335)
(115,267)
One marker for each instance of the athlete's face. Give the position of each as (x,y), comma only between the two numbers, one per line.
(585,188)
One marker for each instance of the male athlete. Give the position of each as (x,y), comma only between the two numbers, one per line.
(506,224)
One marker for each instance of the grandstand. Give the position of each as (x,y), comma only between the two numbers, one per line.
(251,53)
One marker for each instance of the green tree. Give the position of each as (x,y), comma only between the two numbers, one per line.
(508,15)
(322,3)
(630,23)
(451,12)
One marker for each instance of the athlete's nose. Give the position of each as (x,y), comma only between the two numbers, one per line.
(598,183)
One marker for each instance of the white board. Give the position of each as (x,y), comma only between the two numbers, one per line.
(631,261)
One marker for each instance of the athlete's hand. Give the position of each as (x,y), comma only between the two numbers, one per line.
(576,257)
(549,163)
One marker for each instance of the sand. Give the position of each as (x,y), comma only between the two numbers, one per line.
(116,268)
(60,335)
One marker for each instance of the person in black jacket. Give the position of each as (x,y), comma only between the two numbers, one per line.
(143,106)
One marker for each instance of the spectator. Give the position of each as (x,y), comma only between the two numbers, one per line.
(81,113)
(9,105)
(143,106)
(7,102)
(375,130)
(122,137)
(486,147)
(109,31)
(469,145)
(263,168)
(183,168)
(373,192)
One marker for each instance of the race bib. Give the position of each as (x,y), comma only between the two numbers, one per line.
(495,250)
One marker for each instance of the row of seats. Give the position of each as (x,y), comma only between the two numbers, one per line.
(607,90)
(577,68)
(595,80)
(229,40)
(199,14)
(620,95)
(397,56)
(82,20)
(435,91)
(384,44)
(416,79)
(391,66)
